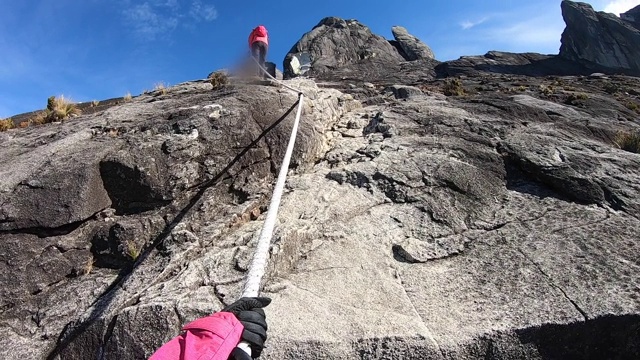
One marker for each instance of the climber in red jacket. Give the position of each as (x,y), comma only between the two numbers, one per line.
(217,336)
(259,44)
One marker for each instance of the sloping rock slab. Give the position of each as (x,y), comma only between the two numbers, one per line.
(530,64)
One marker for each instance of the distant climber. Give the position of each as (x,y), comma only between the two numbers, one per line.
(259,44)
(217,336)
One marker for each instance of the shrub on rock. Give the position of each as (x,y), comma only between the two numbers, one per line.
(628,141)
(6,124)
(633,106)
(218,80)
(58,109)
(453,87)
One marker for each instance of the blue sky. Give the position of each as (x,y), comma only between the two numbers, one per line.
(99,49)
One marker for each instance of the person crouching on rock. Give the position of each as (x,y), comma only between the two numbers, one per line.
(216,337)
(259,44)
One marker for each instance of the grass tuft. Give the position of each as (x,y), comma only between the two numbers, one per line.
(611,88)
(628,141)
(547,90)
(88,266)
(58,109)
(573,98)
(633,106)
(61,108)
(7,124)
(453,87)
(132,250)
(218,80)
(39,118)
(161,88)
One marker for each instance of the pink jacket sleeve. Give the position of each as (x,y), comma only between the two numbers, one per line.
(208,338)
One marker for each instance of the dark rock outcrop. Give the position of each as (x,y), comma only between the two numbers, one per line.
(341,49)
(632,16)
(598,40)
(43,191)
(412,47)
(529,64)
(404,92)
(592,42)
(335,42)
(117,244)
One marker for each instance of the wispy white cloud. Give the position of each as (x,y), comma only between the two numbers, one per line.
(153,18)
(465,25)
(148,23)
(533,32)
(619,6)
(513,30)
(202,12)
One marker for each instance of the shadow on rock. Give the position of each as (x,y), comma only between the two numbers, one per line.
(521,182)
(607,337)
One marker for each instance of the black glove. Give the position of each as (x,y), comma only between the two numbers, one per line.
(249,312)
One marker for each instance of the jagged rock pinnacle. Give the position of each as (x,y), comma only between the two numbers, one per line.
(601,41)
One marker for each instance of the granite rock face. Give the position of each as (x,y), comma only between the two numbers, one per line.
(432,209)
(347,48)
(600,40)
(530,64)
(336,42)
(412,47)
(123,195)
(632,16)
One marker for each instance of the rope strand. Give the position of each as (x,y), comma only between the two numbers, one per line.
(274,79)
(251,287)
(259,261)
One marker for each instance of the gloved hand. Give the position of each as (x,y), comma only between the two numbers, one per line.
(249,312)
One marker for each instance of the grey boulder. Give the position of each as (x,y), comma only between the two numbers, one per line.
(412,47)
(404,91)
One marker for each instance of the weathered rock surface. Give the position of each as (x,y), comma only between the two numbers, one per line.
(53,185)
(499,223)
(336,42)
(341,48)
(412,47)
(171,171)
(632,16)
(530,64)
(435,222)
(404,91)
(599,40)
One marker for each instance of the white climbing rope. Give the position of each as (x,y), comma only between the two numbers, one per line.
(258,264)
(259,261)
